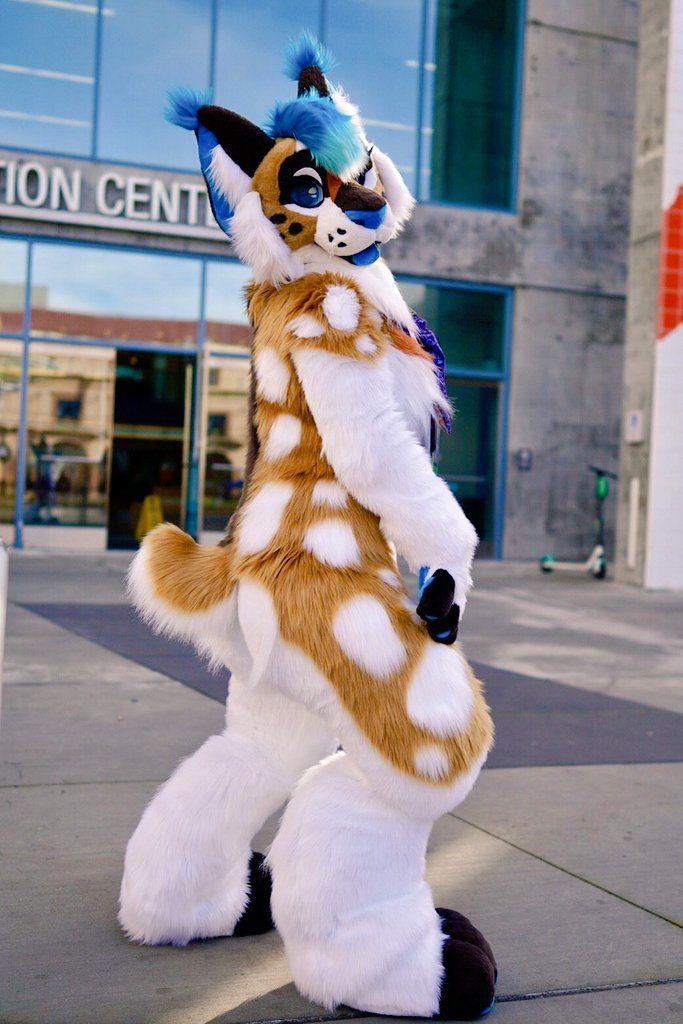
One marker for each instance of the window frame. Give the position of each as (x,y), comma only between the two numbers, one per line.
(511,207)
(203,346)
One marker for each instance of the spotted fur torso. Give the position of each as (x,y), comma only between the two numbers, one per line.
(323,559)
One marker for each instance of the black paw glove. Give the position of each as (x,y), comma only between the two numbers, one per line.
(436,607)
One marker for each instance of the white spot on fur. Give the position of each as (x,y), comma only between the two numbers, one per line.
(329,494)
(431,761)
(364,632)
(332,542)
(440,698)
(283,437)
(375,316)
(366,345)
(261,517)
(272,375)
(389,576)
(306,326)
(341,307)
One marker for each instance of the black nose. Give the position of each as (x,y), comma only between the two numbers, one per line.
(351,196)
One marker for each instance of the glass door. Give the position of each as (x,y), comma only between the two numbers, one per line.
(468,456)
(152,440)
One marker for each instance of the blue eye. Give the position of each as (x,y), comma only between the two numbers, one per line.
(306,192)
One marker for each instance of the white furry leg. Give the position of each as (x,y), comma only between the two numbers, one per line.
(186,873)
(350,899)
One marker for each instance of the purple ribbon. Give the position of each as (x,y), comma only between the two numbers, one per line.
(429,343)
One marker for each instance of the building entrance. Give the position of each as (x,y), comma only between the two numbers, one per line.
(151,444)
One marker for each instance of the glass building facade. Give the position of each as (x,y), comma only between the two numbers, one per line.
(124,369)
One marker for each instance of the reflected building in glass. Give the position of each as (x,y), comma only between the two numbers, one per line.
(124,343)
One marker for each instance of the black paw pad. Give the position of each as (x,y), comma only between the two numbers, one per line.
(468,986)
(436,607)
(257,917)
(457,926)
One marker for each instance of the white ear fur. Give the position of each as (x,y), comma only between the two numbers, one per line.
(398,195)
(257,242)
(227,177)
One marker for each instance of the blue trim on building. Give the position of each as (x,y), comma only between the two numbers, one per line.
(96,86)
(502,438)
(518,105)
(22,432)
(420,101)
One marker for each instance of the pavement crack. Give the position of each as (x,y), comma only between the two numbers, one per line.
(571,874)
(80,782)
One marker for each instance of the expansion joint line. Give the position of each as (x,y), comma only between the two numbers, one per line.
(515,997)
(573,874)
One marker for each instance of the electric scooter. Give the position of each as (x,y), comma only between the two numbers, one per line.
(596,563)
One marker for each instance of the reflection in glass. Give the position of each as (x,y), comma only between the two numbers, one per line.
(12,286)
(383,81)
(472,67)
(147,49)
(10,386)
(89,292)
(469,324)
(152,440)
(226,437)
(70,394)
(249,42)
(227,323)
(468,456)
(47,61)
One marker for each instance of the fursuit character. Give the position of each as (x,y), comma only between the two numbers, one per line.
(341,695)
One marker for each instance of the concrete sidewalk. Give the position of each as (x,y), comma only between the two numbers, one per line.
(572,869)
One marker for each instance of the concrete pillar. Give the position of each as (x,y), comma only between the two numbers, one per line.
(649,535)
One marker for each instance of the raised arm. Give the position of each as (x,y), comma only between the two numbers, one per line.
(378,458)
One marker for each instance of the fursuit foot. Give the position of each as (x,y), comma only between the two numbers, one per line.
(470,972)
(257,918)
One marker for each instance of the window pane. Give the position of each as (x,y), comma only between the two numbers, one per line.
(147,49)
(10,385)
(468,324)
(70,395)
(84,292)
(47,58)
(470,88)
(152,443)
(250,42)
(467,459)
(226,404)
(382,81)
(226,308)
(12,286)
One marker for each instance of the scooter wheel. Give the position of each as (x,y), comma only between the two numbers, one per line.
(547,563)
(601,572)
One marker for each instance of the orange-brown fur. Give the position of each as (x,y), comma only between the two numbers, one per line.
(306,593)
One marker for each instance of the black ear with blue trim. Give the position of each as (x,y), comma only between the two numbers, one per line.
(242,141)
(230,148)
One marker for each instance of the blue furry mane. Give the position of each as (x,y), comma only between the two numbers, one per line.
(304,52)
(332,136)
(183,104)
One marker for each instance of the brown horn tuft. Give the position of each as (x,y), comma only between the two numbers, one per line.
(313,78)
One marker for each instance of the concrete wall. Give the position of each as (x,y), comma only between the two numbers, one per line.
(641,330)
(649,543)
